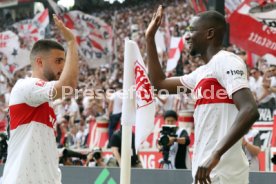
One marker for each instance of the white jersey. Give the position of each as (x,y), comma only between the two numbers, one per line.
(117,99)
(213,85)
(32,149)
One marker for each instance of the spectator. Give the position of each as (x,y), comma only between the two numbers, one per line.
(252,151)
(167,102)
(256,84)
(116,145)
(272,69)
(81,135)
(179,150)
(96,159)
(115,110)
(109,76)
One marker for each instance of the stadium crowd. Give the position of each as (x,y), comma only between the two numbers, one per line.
(74,115)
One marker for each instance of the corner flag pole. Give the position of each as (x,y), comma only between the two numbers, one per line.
(125,175)
(128,115)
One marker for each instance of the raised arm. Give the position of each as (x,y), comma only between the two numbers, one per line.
(69,75)
(156,75)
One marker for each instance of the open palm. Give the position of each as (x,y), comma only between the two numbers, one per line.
(66,32)
(155,23)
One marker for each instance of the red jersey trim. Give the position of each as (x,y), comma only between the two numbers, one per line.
(21,114)
(211,92)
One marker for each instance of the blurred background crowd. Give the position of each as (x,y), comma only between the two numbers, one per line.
(76,116)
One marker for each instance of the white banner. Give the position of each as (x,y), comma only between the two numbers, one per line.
(57,8)
(94,37)
(176,46)
(142,107)
(6,3)
(9,46)
(22,59)
(32,30)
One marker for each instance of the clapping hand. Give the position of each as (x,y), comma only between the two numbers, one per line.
(66,32)
(155,23)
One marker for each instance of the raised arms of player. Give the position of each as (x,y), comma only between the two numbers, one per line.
(156,75)
(69,75)
(247,115)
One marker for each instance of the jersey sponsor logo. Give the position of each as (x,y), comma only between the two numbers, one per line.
(235,72)
(143,87)
(104,177)
(40,83)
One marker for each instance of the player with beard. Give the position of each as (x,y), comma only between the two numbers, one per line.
(32,150)
(225,108)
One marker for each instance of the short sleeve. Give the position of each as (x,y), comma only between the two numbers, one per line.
(112,96)
(231,73)
(37,91)
(273,82)
(189,80)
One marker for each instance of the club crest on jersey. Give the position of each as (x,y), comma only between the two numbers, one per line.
(40,83)
(144,95)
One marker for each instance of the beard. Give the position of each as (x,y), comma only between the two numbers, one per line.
(194,52)
(49,75)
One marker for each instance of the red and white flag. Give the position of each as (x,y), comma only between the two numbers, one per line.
(93,35)
(57,8)
(19,62)
(160,41)
(7,3)
(33,29)
(9,46)
(176,46)
(199,5)
(252,27)
(252,59)
(138,103)
(231,6)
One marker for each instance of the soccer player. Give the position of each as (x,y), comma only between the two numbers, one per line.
(32,149)
(225,108)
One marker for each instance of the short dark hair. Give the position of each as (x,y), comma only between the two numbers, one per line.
(256,69)
(213,17)
(170,113)
(45,45)
(216,20)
